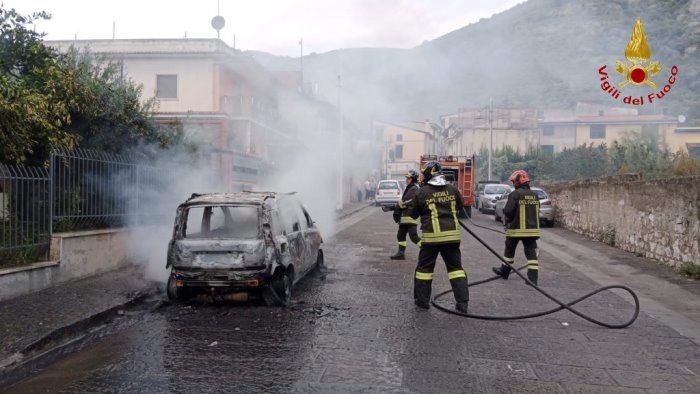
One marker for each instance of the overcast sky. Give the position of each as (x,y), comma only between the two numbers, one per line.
(273,26)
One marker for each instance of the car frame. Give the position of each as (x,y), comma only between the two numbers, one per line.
(546,207)
(265,243)
(388,198)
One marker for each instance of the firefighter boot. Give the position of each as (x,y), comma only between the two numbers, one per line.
(400,255)
(463,306)
(532,276)
(503,271)
(460,288)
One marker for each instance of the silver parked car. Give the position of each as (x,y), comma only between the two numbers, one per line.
(490,195)
(240,246)
(388,192)
(546,207)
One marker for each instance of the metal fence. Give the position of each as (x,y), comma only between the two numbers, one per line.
(25,220)
(82,190)
(92,189)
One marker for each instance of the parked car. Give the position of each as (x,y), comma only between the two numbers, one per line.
(546,207)
(479,190)
(489,196)
(240,246)
(388,192)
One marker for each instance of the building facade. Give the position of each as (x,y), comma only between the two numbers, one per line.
(225,101)
(403,144)
(553,130)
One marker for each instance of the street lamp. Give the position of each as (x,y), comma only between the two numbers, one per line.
(341,132)
(491,136)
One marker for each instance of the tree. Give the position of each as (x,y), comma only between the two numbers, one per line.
(63,100)
(30,81)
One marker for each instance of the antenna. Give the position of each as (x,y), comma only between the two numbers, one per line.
(218,21)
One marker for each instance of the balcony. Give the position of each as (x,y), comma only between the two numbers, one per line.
(257,109)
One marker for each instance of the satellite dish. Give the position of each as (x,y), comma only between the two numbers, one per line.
(681,118)
(218,22)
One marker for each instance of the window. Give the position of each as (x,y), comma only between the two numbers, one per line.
(496,189)
(166,86)
(398,152)
(399,137)
(597,131)
(388,185)
(222,222)
(694,151)
(547,149)
(548,131)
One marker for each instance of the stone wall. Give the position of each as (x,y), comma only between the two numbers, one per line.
(656,219)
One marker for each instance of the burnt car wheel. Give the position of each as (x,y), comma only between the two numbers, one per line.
(319,260)
(175,294)
(279,291)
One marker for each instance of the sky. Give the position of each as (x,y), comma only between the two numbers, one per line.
(273,26)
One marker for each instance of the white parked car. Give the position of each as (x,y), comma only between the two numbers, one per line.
(388,192)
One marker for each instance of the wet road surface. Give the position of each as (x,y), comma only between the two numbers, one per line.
(355,329)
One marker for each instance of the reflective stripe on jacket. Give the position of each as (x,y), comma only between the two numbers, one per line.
(408,195)
(522,213)
(438,207)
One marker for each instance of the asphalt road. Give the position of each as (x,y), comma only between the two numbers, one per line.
(354,328)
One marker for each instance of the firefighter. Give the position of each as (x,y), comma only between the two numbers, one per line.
(438,203)
(407,224)
(522,214)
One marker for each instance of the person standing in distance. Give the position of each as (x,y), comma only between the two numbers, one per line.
(437,204)
(522,214)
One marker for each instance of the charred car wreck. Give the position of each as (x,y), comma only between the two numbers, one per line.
(240,246)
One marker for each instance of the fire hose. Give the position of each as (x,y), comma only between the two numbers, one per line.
(562,305)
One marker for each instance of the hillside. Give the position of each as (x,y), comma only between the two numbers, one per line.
(543,53)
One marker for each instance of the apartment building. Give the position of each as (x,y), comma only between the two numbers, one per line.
(224,99)
(403,143)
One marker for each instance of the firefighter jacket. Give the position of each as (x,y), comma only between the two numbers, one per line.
(522,213)
(408,195)
(438,207)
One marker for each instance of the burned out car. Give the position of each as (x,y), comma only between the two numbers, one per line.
(240,246)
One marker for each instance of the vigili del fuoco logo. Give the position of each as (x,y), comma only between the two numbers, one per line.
(639,71)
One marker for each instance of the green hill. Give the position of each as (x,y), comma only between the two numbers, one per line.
(543,53)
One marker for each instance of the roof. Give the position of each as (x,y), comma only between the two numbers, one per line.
(248,198)
(627,119)
(406,125)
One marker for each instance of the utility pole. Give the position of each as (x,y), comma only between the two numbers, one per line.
(301,64)
(491,136)
(341,133)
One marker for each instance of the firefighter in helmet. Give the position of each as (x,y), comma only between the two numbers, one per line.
(407,224)
(438,203)
(522,214)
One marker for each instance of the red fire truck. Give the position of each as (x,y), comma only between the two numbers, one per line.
(460,171)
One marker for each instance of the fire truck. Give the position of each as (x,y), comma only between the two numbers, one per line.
(460,171)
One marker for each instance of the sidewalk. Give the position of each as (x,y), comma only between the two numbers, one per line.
(29,323)
(352,207)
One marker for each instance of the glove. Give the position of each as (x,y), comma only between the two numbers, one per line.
(397,216)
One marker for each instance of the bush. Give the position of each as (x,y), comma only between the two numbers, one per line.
(608,235)
(690,269)
(10,258)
